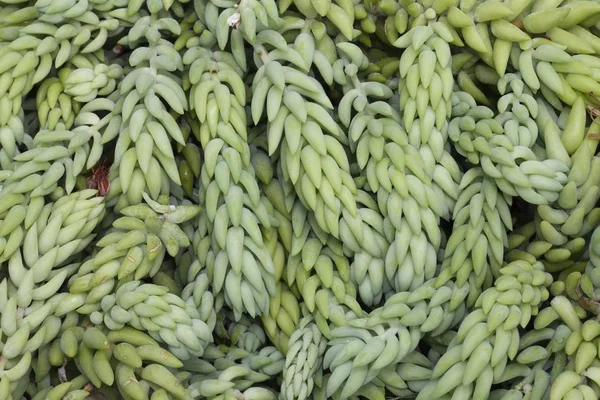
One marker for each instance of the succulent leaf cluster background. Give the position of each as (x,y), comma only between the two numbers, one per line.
(299,199)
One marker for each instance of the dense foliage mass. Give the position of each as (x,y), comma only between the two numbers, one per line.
(299,199)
